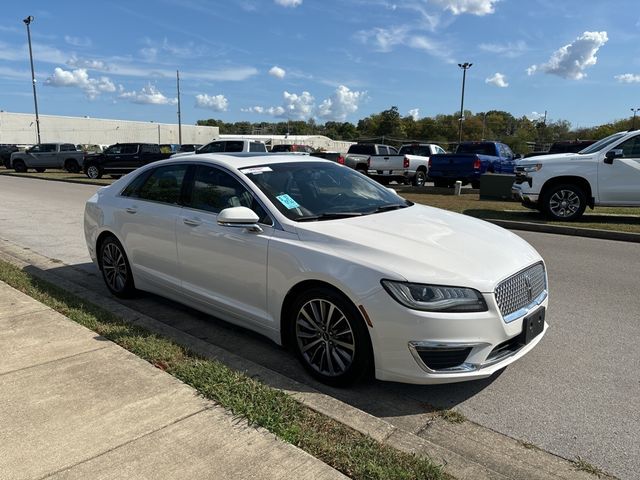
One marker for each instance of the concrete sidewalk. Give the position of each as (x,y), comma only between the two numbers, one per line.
(75,405)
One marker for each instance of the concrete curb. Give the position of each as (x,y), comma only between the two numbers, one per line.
(564,230)
(533,463)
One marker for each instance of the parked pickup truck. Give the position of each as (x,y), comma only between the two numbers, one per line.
(471,160)
(410,165)
(358,154)
(48,155)
(228,145)
(122,158)
(606,173)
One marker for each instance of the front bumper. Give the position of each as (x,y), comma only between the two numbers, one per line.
(483,342)
(518,193)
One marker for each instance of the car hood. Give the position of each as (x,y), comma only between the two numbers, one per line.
(425,245)
(550,157)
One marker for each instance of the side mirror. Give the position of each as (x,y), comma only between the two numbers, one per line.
(611,154)
(239,217)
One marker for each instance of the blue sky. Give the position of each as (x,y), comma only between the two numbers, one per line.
(269,60)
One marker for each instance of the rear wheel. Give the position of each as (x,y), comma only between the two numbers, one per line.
(93,171)
(116,271)
(330,337)
(419,179)
(564,202)
(71,166)
(19,166)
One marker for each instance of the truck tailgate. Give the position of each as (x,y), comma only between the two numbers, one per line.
(386,163)
(452,165)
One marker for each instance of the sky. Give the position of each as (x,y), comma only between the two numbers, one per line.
(326,60)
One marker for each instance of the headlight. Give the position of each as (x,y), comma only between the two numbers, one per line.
(532,168)
(435,298)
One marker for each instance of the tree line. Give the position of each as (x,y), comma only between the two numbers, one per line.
(521,134)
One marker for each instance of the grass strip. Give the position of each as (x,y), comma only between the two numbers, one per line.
(352,453)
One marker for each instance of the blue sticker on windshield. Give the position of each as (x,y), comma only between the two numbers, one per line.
(287,201)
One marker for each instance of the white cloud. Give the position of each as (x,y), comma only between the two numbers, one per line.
(149,95)
(217,103)
(256,109)
(473,7)
(289,3)
(77,41)
(385,39)
(341,104)
(628,78)
(89,64)
(298,106)
(414,113)
(534,116)
(571,60)
(277,72)
(498,79)
(92,87)
(509,50)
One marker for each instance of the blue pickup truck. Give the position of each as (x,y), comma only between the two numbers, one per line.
(471,160)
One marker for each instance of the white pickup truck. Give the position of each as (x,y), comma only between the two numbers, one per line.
(606,173)
(228,145)
(411,164)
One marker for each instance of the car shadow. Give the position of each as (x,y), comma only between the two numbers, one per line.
(381,399)
(533,216)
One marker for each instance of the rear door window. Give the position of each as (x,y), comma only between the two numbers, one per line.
(234,146)
(257,147)
(164,185)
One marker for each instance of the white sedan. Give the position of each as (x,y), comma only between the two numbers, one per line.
(320,258)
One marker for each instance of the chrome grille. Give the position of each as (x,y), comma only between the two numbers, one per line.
(521,289)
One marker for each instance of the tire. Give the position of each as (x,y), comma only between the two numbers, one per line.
(93,171)
(116,271)
(419,179)
(72,166)
(40,170)
(362,171)
(315,330)
(440,183)
(382,180)
(19,166)
(565,202)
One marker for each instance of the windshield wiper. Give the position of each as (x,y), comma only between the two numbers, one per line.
(328,216)
(391,206)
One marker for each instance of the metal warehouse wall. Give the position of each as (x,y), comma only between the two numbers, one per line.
(20,129)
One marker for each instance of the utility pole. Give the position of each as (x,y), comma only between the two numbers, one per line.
(633,122)
(27,21)
(464,66)
(179,118)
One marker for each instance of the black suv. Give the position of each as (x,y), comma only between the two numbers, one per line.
(122,158)
(5,154)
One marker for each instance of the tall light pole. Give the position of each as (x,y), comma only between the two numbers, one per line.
(179,115)
(633,122)
(27,21)
(464,66)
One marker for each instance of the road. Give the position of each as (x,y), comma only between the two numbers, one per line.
(576,395)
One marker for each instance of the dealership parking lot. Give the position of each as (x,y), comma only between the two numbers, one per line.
(575,395)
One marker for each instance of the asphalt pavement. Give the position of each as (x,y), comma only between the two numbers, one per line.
(575,395)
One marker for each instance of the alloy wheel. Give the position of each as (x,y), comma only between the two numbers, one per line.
(564,203)
(114,266)
(325,337)
(93,172)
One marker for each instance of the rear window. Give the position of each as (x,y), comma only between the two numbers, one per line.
(422,150)
(362,149)
(257,147)
(281,148)
(477,148)
(234,146)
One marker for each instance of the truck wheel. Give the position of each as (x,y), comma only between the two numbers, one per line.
(94,172)
(40,170)
(419,179)
(19,166)
(564,202)
(71,166)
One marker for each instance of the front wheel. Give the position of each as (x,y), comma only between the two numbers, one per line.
(419,179)
(94,172)
(19,166)
(330,337)
(116,270)
(564,202)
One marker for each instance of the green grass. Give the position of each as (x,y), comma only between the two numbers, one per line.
(59,176)
(602,218)
(345,449)
(451,416)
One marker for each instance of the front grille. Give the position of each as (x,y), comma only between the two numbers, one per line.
(439,358)
(519,290)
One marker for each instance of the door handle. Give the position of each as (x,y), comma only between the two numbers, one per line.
(132,210)
(192,222)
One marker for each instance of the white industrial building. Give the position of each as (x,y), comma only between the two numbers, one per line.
(20,129)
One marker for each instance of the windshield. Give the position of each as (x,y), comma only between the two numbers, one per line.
(600,144)
(310,191)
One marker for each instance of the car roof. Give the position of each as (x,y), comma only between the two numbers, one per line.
(243,160)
